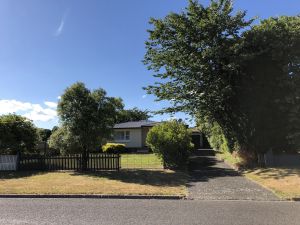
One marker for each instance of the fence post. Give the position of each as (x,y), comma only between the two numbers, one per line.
(44,162)
(119,162)
(18,161)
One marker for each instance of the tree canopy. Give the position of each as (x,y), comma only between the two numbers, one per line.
(241,79)
(134,114)
(88,116)
(44,134)
(17,135)
(268,93)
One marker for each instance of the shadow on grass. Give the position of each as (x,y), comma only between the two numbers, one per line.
(140,176)
(144,177)
(275,173)
(19,174)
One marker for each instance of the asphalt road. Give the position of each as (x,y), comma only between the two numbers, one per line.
(157,212)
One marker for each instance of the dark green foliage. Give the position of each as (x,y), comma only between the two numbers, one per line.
(269,95)
(44,134)
(134,114)
(64,142)
(171,141)
(17,134)
(113,148)
(214,134)
(54,129)
(197,54)
(88,115)
(241,81)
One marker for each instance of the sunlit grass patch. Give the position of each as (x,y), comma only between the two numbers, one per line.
(128,182)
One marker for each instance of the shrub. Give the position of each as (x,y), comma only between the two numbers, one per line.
(171,141)
(214,134)
(17,134)
(113,148)
(62,141)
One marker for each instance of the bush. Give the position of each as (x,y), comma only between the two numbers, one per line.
(171,141)
(17,134)
(113,148)
(214,134)
(63,142)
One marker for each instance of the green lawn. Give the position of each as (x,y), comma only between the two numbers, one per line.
(143,161)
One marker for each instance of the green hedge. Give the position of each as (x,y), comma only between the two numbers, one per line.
(171,141)
(113,148)
(214,134)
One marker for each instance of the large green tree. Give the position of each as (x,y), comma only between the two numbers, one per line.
(269,93)
(134,114)
(43,134)
(17,135)
(240,80)
(88,115)
(196,55)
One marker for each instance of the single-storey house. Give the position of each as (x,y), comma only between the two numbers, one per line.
(133,134)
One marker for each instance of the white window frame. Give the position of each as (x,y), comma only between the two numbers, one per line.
(126,135)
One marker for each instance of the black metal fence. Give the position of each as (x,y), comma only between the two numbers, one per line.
(70,162)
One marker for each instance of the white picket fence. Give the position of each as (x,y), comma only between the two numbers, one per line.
(8,162)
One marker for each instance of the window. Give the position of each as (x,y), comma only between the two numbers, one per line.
(122,135)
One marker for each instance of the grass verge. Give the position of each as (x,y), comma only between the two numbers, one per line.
(144,161)
(285,182)
(231,159)
(138,182)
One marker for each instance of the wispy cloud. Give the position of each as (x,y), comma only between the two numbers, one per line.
(144,96)
(32,111)
(60,28)
(61,25)
(51,104)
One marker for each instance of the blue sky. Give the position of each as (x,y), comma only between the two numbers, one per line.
(46,46)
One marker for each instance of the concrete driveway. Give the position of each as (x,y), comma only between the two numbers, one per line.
(212,179)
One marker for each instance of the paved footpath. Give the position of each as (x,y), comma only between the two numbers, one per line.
(212,179)
(147,212)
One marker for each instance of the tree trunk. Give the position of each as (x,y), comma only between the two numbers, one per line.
(85,158)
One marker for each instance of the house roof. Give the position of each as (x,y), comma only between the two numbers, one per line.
(136,124)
